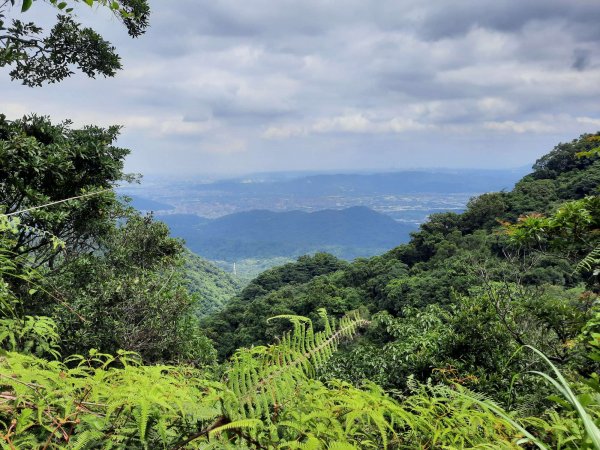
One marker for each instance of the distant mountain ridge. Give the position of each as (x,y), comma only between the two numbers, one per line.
(258,219)
(349,233)
(377,183)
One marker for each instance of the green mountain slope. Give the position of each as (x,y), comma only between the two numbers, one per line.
(442,325)
(347,233)
(459,298)
(213,286)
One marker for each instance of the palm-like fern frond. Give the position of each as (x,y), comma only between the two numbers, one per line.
(244,423)
(262,378)
(590,263)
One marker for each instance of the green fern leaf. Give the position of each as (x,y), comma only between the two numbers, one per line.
(244,423)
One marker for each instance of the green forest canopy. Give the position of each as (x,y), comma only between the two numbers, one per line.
(440,325)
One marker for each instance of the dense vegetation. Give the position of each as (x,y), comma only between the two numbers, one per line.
(443,323)
(248,269)
(347,233)
(213,286)
(464,294)
(109,277)
(482,332)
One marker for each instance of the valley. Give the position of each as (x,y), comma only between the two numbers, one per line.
(259,221)
(407,196)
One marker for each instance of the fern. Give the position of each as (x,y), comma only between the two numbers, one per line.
(489,404)
(266,399)
(341,446)
(130,406)
(244,423)
(558,426)
(264,377)
(590,262)
(86,439)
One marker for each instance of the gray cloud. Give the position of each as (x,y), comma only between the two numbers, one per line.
(507,16)
(581,59)
(233,86)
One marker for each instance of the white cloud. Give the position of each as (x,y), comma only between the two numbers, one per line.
(531,126)
(269,83)
(590,121)
(284,131)
(347,123)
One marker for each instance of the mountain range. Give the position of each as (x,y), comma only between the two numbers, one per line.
(348,233)
(442,181)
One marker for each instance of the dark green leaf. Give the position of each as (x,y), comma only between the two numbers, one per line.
(26,5)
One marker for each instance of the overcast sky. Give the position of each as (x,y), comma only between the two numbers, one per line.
(230,86)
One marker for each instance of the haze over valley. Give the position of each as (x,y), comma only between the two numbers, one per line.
(261,220)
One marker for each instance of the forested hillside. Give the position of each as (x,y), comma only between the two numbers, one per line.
(452,255)
(213,286)
(349,233)
(102,342)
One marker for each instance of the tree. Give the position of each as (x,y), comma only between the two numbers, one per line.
(115,280)
(130,294)
(566,157)
(42,163)
(118,272)
(37,59)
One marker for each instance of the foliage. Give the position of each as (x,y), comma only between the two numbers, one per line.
(306,268)
(572,229)
(19,332)
(81,273)
(460,298)
(265,376)
(590,263)
(131,295)
(116,279)
(98,399)
(559,382)
(89,400)
(593,152)
(213,286)
(40,163)
(248,269)
(38,59)
(243,320)
(566,157)
(266,399)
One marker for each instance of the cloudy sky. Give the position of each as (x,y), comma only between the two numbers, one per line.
(230,86)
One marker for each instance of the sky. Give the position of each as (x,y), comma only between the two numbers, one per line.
(231,87)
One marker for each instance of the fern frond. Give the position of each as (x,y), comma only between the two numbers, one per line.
(263,377)
(244,423)
(591,261)
(492,406)
(341,446)
(562,386)
(85,439)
